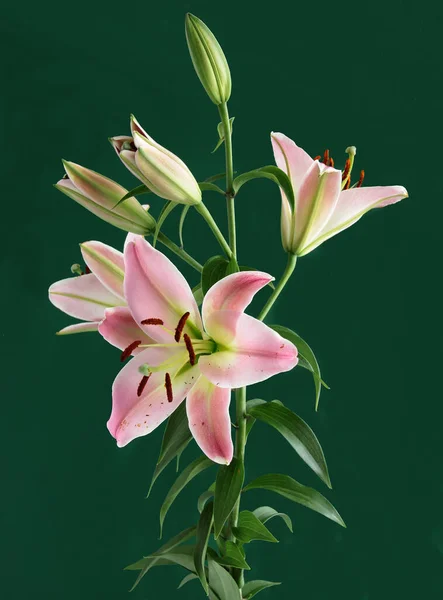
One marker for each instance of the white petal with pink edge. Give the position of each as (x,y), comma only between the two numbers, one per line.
(249,351)
(155,288)
(291,159)
(207,407)
(83,297)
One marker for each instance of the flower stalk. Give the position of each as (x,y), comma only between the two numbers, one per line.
(224,116)
(290,266)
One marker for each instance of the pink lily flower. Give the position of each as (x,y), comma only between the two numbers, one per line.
(195,357)
(324,204)
(89,296)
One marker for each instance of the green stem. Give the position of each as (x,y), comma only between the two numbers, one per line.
(240,446)
(224,116)
(203,210)
(292,259)
(179,252)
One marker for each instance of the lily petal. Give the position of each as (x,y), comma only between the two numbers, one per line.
(234,292)
(291,159)
(316,201)
(83,297)
(155,288)
(134,416)
(352,205)
(254,352)
(207,407)
(78,328)
(119,329)
(107,264)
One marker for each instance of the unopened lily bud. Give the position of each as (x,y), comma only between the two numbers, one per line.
(208,59)
(158,168)
(101,195)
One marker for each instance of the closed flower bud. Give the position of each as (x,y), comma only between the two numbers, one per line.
(100,195)
(158,168)
(208,59)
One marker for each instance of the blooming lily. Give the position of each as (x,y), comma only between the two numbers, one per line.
(158,168)
(89,295)
(324,202)
(100,195)
(193,356)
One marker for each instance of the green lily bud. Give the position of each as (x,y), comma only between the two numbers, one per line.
(208,59)
(100,195)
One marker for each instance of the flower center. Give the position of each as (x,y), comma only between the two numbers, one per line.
(347,170)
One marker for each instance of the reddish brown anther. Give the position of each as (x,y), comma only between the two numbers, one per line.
(346,169)
(87,270)
(189,348)
(360,181)
(128,351)
(180,326)
(326,157)
(142,384)
(317,157)
(152,321)
(347,184)
(168,386)
(331,162)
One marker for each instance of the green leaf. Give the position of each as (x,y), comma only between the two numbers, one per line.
(249,528)
(205,497)
(270,172)
(187,579)
(232,266)
(232,557)
(206,186)
(180,556)
(203,532)
(304,351)
(215,177)
(265,513)
(166,210)
(175,439)
(289,488)
(222,583)
(213,270)
(146,563)
(298,433)
(221,133)
(250,422)
(254,587)
(228,486)
(198,293)
(183,214)
(191,471)
(137,191)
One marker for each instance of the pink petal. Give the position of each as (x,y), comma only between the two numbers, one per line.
(291,159)
(207,407)
(133,416)
(353,204)
(97,187)
(254,352)
(78,328)
(119,329)
(316,201)
(107,265)
(83,297)
(234,292)
(155,288)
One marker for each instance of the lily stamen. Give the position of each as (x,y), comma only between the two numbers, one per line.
(142,384)
(346,169)
(360,181)
(180,326)
(128,351)
(168,386)
(190,349)
(152,321)
(326,157)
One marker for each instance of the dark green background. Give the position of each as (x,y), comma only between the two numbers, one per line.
(367,301)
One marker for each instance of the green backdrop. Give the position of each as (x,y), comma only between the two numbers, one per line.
(368,301)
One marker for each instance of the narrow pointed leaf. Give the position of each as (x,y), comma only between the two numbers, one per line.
(183,214)
(228,486)
(222,583)
(252,588)
(175,439)
(270,172)
(232,557)
(265,513)
(137,191)
(215,177)
(207,186)
(297,433)
(249,527)
(305,353)
(191,471)
(205,497)
(221,133)
(291,489)
(166,211)
(251,420)
(213,270)
(187,579)
(201,545)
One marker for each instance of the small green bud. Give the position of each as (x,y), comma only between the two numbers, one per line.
(208,59)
